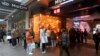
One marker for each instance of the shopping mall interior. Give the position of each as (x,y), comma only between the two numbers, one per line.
(79,18)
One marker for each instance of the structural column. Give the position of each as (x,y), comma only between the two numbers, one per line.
(8,23)
(27,20)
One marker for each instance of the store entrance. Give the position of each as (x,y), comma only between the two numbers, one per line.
(47,21)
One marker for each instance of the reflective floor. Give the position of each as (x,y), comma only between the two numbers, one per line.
(78,50)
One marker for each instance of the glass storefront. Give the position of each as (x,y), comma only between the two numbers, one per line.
(46,21)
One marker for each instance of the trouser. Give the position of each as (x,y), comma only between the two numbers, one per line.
(1,39)
(43,47)
(53,43)
(64,48)
(29,48)
(81,39)
(10,41)
(85,38)
(72,39)
(78,39)
(49,41)
(25,44)
(17,39)
(14,42)
(97,46)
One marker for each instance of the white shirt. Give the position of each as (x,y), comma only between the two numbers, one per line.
(43,37)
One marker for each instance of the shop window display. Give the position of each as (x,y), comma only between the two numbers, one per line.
(85,25)
(46,21)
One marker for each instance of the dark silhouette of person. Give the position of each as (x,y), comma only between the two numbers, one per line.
(85,35)
(78,36)
(1,35)
(81,36)
(96,38)
(53,39)
(72,34)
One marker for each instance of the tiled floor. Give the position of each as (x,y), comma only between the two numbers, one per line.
(79,50)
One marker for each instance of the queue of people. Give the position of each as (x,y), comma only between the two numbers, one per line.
(47,39)
(76,35)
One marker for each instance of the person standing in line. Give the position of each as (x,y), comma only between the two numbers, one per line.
(72,36)
(81,36)
(78,36)
(43,39)
(53,38)
(85,35)
(96,38)
(4,33)
(1,35)
(64,42)
(48,34)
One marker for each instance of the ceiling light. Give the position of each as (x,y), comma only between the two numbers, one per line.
(1,20)
(19,0)
(66,2)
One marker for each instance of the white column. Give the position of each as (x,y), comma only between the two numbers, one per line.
(8,25)
(27,20)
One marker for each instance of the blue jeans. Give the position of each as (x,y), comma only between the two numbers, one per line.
(29,48)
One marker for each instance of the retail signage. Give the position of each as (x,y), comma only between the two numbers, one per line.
(61,1)
(56,11)
(9,4)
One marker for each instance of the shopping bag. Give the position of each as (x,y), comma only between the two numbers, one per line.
(8,37)
(36,45)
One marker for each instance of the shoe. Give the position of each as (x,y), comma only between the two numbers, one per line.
(43,52)
(30,53)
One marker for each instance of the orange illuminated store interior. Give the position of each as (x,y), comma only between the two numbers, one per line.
(46,21)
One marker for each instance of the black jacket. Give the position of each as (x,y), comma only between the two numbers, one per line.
(1,33)
(96,37)
(64,39)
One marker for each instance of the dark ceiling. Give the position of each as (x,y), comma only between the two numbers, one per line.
(79,7)
(71,9)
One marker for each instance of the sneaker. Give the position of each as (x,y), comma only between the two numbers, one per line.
(43,52)
(30,53)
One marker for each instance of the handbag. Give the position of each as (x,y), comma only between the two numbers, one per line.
(8,37)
